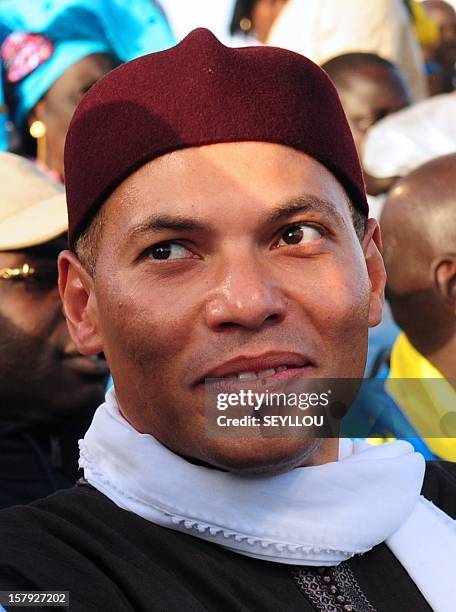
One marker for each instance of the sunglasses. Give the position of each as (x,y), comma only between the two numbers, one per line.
(40,278)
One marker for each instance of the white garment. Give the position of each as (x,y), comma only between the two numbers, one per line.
(376,204)
(319,515)
(401,142)
(322,29)
(185,15)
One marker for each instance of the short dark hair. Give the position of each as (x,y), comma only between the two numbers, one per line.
(354,61)
(88,242)
(348,63)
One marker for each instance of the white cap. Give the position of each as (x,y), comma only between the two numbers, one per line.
(32,206)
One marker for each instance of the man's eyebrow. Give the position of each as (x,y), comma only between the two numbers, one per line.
(157,223)
(303,204)
(300,204)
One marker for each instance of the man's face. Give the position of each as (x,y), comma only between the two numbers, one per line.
(57,107)
(43,377)
(445,16)
(368,96)
(220,260)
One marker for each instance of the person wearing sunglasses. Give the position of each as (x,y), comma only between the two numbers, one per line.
(48,391)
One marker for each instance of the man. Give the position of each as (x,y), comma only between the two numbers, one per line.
(412,395)
(445,52)
(419,233)
(48,391)
(370,88)
(224,241)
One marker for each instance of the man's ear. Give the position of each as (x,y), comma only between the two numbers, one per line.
(372,248)
(443,271)
(79,304)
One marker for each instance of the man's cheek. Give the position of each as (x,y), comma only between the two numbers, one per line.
(138,333)
(348,298)
(333,293)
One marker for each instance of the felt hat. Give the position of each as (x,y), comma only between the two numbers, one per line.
(198,93)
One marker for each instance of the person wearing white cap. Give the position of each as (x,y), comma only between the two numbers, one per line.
(47,390)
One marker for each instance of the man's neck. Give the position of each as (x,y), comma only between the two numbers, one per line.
(328,451)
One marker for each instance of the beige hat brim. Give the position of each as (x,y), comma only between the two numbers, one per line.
(36,224)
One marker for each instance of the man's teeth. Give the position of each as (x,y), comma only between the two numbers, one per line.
(257,375)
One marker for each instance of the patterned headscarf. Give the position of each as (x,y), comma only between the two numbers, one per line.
(41,40)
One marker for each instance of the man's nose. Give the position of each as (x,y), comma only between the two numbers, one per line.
(246,295)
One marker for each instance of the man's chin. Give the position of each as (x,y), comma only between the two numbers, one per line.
(262,457)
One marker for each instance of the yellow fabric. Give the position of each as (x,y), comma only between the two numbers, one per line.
(423,402)
(426,29)
(378,441)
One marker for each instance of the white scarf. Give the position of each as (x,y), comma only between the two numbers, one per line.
(319,515)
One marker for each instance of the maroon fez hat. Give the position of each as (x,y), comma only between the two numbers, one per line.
(198,93)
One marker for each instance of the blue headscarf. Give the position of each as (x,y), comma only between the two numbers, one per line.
(125,29)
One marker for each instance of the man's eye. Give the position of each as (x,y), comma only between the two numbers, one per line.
(169,250)
(299,234)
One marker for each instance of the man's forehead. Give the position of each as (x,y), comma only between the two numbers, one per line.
(270,179)
(224,162)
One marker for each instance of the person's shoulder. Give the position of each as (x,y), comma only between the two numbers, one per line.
(33,527)
(440,485)
(66,542)
(55,507)
(55,516)
(33,536)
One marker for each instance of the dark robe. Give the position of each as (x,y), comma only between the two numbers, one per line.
(37,459)
(110,559)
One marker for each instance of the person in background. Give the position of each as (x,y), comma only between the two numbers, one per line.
(419,237)
(322,29)
(53,52)
(370,88)
(413,393)
(392,148)
(398,144)
(255,17)
(444,53)
(48,391)
(427,32)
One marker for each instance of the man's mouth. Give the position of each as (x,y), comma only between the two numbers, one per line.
(269,366)
(262,374)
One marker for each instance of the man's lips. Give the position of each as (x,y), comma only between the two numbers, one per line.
(268,366)
(284,381)
(92,365)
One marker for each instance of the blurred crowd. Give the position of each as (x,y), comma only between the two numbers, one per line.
(393,63)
